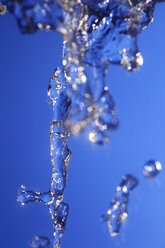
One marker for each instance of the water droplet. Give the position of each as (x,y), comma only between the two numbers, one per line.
(98,137)
(151,168)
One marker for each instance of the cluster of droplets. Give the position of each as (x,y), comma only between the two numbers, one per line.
(117,211)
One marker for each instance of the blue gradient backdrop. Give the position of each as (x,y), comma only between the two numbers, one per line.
(26,64)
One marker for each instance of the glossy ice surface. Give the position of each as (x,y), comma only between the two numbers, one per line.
(96,34)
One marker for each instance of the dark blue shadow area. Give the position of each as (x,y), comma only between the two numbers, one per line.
(26,64)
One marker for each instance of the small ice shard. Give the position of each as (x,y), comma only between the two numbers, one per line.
(117,212)
(40,241)
(151,168)
(31,196)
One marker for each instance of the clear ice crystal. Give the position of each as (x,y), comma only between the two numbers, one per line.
(152,168)
(96,34)
(117,212)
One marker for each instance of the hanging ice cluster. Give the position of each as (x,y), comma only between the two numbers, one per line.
(96,33)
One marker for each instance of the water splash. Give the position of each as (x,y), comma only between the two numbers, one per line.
(96,34)
(117,212)
(152,168)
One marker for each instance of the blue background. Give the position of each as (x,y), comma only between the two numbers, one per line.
(26,64)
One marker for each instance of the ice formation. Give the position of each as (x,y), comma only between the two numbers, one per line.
(151,168)
(117,212)
(96,34)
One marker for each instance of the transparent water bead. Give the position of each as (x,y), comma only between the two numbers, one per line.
(117,212)
(152,168)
